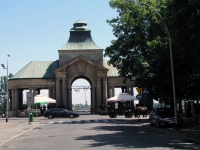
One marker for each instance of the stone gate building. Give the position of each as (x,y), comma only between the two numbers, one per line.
(79,58)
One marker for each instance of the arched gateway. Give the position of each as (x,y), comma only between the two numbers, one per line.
(79,58)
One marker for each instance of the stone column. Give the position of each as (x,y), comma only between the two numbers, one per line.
(113,91)
(69,98)
(109,92)
(64,92)
(13,101)
(104,90)
(93,100)
(127,89)
(20,99)
(31,95)
(53,93)
(34,94)
(50,92)
(38,91)
(132,92)
(98,95)
(9,100)
(58,92)
(123,89)
(16,102)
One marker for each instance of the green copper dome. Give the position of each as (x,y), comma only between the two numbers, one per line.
(80,26)
(80,38)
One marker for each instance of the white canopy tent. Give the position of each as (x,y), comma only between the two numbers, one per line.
(43,99)
(122,97)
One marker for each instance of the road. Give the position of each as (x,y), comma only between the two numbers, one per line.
(96,133)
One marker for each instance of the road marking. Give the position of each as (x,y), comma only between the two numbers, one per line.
(106,121)
(97,121)
(60,121)
(78,122)
(88,121)
(93,121)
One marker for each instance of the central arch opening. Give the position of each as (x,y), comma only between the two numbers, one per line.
(81,96)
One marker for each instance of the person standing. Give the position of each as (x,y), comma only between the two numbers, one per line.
(41,111)
(197,113)
(189,113)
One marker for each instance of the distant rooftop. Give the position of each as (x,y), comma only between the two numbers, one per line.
(37,69)
(45,70)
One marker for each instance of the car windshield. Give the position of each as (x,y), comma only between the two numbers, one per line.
(166,112)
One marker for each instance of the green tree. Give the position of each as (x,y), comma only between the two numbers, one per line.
(3,87)
(141,48)
(183,17)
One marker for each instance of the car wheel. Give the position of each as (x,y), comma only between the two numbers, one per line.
(151,124)
(114,116)
(71,116)
(110,116)
(157,124)
(126,116)
(50,117)
(131,115)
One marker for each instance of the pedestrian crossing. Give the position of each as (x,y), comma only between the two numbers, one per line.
(119,121)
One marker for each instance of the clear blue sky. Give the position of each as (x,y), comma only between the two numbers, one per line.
(34,30)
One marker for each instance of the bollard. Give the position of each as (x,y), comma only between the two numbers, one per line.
(31,117)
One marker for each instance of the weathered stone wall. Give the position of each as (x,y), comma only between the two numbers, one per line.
(67,56)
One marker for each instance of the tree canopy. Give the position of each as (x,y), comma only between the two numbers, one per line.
(141,50)
(3,90)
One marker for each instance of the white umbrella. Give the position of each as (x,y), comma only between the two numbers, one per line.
(41,99)
(122,97)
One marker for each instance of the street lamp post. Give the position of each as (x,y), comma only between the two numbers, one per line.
(171,57)
(7,88)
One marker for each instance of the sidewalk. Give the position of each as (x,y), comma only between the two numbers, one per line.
(13,129)
(188,131)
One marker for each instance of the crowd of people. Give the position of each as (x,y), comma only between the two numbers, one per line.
(42,110)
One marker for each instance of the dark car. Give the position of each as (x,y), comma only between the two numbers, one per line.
(60,112)
(163,116)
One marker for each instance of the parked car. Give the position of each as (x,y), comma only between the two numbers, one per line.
(163,116)
(60,112)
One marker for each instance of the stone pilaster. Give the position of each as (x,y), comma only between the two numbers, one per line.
(104,90)
(98,94)
(58,92)
(113,92)
(93,100)
(64,92)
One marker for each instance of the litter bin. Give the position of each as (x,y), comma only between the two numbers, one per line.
(30,117)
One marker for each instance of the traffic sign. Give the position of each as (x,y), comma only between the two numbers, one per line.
(139,97)
(139,90)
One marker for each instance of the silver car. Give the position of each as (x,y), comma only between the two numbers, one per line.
(163,116)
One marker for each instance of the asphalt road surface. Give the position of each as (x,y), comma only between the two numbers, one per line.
(97,133)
